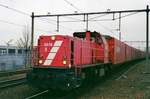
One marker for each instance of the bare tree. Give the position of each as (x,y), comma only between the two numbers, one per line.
(24,41)
(8,43)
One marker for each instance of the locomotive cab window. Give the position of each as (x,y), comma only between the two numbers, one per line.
(99,41)
(79,35)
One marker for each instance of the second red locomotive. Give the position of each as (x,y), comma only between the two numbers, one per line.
(65,62)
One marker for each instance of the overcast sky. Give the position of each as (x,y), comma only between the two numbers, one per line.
(132,28)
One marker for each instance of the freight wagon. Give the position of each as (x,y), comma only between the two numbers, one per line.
(64,62)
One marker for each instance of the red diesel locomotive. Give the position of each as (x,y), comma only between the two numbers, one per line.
(64,62)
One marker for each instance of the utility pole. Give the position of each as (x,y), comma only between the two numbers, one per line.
(147,34)
(57,24)
(87,22)
(120,26)
(32,37)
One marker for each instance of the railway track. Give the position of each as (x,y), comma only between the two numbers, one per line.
(116,75)
(10,73)
(12,82)
(37,94)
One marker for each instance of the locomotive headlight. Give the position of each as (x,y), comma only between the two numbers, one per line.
(40,61)
(69,65)
(53,38)
(64,62)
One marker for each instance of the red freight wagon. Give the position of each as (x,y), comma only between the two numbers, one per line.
(132,53)
(128,53)
(117,51)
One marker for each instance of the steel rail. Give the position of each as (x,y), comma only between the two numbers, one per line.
(37,94)
(11,83)
(8,73)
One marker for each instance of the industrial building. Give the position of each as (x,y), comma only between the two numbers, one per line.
(12,58)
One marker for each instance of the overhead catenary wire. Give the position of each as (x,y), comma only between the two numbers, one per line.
(16,24)
(98,16)
(12,23)
(113,19)
(73,18)
(111,31)
(72,5)
(20,25)
(126,15)
(108,19)
(77,20)
(13,9)
(48,21)
(24,13)
(106,28)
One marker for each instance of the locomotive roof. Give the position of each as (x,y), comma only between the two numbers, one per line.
(83,34)
(93,34)
(107,37)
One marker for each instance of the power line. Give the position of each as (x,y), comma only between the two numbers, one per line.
(98,16)
(13,9)
(106,28)
(24,13)
(116,18)
(88,20)
(42,30)
(18,11)
(73,18)
(20,25)
(108,19)
(48,21)
(72,5)
(77,20)
(3,21)
(126,15)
